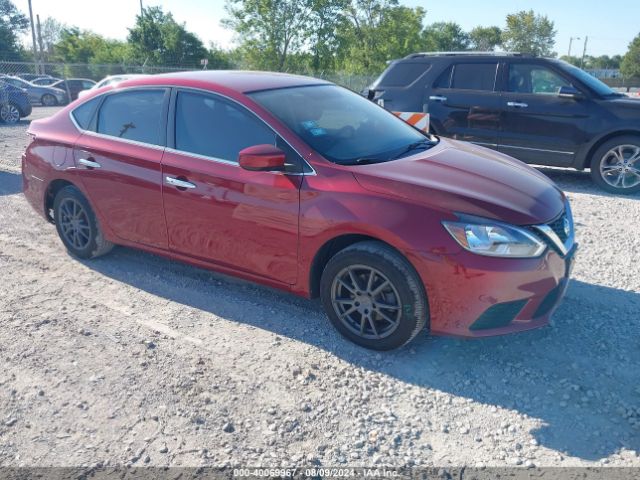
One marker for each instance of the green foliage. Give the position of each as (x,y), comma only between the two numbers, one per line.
(445,37)
(485,39)
(271,29)
(630,67)
(590,62)
(527,32)
(157,39)
(375,31)
(12,24)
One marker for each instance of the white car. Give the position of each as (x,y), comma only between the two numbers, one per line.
(111,79)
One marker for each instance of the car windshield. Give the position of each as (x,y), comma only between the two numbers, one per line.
(342,126)
(589,80)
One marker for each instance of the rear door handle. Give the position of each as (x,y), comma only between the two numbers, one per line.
(89,163)
(438,98)
(176,182)
(517,104)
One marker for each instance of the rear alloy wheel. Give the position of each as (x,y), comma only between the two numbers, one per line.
(49,100)
(616,165)
(373,296)
(77,225)
(9,113)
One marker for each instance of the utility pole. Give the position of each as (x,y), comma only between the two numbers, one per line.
(141,9)
(571,39)
(584,51)
(33,38)
(40,44)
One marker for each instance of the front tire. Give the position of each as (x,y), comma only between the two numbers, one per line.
(77,225)
(373,296)
(615,166)
(9,113)
(49,100)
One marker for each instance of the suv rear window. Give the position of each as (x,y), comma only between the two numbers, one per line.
(403,74)
(474,76)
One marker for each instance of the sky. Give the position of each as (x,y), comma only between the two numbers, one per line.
(610,28)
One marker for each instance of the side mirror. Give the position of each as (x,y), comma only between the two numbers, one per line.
(262,158)
(569,92)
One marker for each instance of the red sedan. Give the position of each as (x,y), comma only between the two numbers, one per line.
(302,185)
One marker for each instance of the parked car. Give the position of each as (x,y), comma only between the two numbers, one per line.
(302,185)
(110,80)
(74,85)
(14,103)
(542,111)
(47,96)
(45,81)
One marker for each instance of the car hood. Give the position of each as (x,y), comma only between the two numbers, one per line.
(465,178)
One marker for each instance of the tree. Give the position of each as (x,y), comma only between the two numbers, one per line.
(12,24)
(445,37)
(157,39)
(484,39)
(323,42)
(271,30)
(375,31)
(527,32)
(51,33)
(630,66)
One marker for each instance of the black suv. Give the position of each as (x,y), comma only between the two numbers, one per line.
(539,110)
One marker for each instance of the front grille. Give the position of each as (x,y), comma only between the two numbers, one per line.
(549,302)
(558,227)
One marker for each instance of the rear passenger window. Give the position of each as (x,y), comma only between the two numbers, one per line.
(474,76)
(133,115)
(84,113)
(209,126)
(403,74)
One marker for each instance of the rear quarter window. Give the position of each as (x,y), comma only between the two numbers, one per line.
(83,115)
(403,74)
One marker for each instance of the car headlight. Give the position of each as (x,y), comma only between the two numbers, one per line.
(494,239)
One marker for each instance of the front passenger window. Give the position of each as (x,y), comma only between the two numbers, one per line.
(213,127)
(535,79)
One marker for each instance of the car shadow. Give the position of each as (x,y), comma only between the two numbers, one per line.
(577,181)
(10,183)
(579,378)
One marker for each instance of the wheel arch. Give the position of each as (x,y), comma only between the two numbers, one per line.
(50,194)
(330,248)
(588,158)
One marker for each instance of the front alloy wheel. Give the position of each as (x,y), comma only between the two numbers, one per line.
(373,296)
(9,113)
(616,165)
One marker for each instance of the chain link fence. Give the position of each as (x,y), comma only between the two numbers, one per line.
(96,72)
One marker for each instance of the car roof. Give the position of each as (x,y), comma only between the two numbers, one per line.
(236,80)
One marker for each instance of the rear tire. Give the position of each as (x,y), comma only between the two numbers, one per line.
(49,100)
(77,225)
(373,296)
(615,166)
(9,113)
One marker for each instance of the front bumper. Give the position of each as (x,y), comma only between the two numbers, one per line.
(475,296)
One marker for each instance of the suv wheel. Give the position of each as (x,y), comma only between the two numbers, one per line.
(373,296)
(77,225)
(9,113)
(615,166)
(49,100)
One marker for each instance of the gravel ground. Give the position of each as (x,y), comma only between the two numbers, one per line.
(132,359)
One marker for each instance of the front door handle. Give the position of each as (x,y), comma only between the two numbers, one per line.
(438,98)
(89,163)
(176,182)
(517,104)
